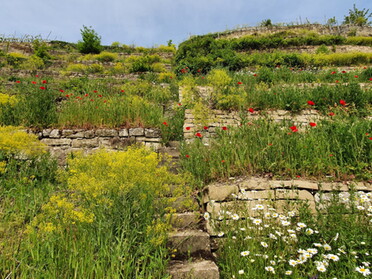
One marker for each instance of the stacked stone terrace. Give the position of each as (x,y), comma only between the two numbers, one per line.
(283,195)
(61,142)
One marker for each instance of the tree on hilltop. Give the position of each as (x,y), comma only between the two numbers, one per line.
(358,17)
(91,42)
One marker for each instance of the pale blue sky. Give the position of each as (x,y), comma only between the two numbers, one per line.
(154,22)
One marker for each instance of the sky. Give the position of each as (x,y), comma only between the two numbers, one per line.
(152,23)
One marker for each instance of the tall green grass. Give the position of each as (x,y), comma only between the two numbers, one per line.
(338,149)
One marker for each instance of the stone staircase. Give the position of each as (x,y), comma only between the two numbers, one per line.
(189,243)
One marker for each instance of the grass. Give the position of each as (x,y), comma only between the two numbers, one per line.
(332,243)
(333,148)
(102,217)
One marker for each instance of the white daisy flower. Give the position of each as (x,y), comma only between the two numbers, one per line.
(244,253)
(288,272)
(364,271)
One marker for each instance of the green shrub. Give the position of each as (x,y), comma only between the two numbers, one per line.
(91,42)
(105,56)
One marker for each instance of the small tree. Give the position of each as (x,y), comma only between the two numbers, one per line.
(358,17)
(91,41)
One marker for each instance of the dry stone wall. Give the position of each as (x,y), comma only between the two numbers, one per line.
(222,119)
(61,142)
(283,195)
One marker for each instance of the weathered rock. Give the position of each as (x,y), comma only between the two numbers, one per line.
(55,133)
(281,194)
(56,141)
(152,133)
(136,132)
(194,270)
(106,133)
(189,242)
(185,220)
(219,192)
(123,133)
(85,143)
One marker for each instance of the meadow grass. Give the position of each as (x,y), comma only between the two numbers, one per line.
(331,148)
(102,217)
(332,243)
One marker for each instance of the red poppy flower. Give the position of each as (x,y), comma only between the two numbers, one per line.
(170,77)
(356,76)
(179,104)
(122,90)
(298,176)
(199,135)
(333,73)
(330,155)
(100,95)
(33,82)
(251,110)
(205,128)
(336,81)
(61,90)
(344,72)
(188,128)
(105,101)
(224,128)
(44,81)
(86,95)
(95,91)
(270,144)
(331,113)
(67,96)
(222,161)
(310,103)
(367,134)
(343,102)
(187,156)
(370,138)
(18,81)
(92,100)
(165,123)
(294,129)
(42,88)
(255,75)
(312,124)
(239,82)
(36,75)
(370,79)
(199,71)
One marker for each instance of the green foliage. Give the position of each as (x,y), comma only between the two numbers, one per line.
(333,148)
(358,17)
(35,107)
(91,42)
(41,50)
(288,239)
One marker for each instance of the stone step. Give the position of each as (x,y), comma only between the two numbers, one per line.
(189,243)
(186,220)
(193,270)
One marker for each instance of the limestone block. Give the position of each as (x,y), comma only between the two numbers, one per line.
(123,133)
(293,194)
(106,133)
(153,145)
(56,141)
(85,143)
(152,133)
(333,187)
(256,195)
(46,132)
(219,192)
(55,133)
(136,132)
